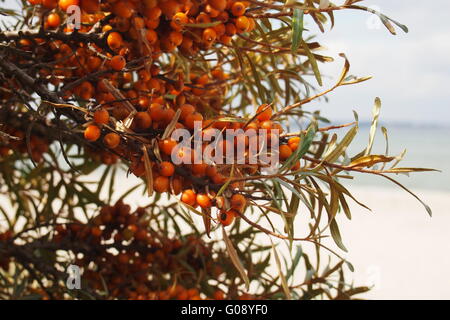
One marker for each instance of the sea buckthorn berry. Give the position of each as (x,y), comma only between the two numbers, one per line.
(264,112)
(219,178)
(111,140)
(53,20)
(211,171)
(151,36)
(186,109)
(65,4)
(161,184)
(118,63)
(220,5)
(92,133)
(199,169)
(123,258)
(227,218)
(192,119)
(153,13)
(96,232)
(167,146)
(166,169)
(90,6)
(238,202)
(285,152)
(296,166)
(230,29)
(238,9)
(189,197)
(225,39)
(203,18)
(293,143)
(143,120)
(114,40)
(178,20)
(122,9)
(209,35)
(157,112)
(242,24)
(176,38)
(93,63)
(177,185)
(101,116)
(169,7)
(203,200)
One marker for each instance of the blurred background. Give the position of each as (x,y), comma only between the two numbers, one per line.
(397,248)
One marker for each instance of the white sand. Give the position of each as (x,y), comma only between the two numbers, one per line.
(399,247)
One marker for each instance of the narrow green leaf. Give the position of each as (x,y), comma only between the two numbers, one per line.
(336,235)
(235,259)
(297,29)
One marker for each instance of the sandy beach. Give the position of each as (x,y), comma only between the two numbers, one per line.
(398,247)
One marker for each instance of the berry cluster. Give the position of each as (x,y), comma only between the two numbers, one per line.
(133,97)
(121,250)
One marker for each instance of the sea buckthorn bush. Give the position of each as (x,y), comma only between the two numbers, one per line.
(93,96)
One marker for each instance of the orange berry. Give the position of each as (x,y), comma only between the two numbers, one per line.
(111,140)
(218,4)
(96,232)
(218,178)
(238,9)
(123,258)
(293,143)
(176,38)
(114,40)
(90,6)
(227,218)
(169,7)
(157,112)
(143,120)
(177,185)
(186,109)
(153,13)
(151,36)
(53,20)
(161,184)
(92,133)
(225,39)
(123,9)
(296,166)
(242,24)
(118,62)
(203,200)
(101,116)
(192,118)
(238,202)
(211,171)
(199,169)
(93,63)
(209,35)
(178,20)
(264,112)
(285,152)
(230,29)
(189,197)
(167,146)
(65,4)
(166,169)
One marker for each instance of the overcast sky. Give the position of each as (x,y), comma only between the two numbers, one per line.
(411,71)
